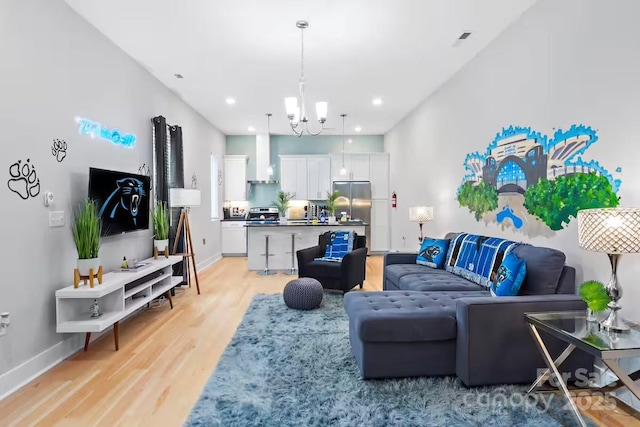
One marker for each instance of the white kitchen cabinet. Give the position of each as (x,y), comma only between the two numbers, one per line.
(357,166)
(318,177)
(379,226)
(293,176)
(379,175)
(234,238)
(235,178)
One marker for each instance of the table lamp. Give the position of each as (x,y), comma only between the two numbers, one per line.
(420,214)
(185,198)
(614,231)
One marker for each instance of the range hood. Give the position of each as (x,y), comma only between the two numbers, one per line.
(263,161)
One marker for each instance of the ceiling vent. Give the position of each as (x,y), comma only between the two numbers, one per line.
(464,36)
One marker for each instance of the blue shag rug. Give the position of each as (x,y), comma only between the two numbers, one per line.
(287,367)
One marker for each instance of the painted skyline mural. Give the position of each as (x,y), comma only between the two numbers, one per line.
(536,184)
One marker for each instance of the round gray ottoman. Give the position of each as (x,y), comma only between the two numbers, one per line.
(304,293)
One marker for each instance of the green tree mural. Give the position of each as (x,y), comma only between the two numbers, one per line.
(480,198)
(556,202)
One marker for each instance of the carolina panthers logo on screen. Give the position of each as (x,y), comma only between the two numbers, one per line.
(125,200)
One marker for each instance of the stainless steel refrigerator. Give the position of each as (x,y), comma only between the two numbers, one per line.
(355,200)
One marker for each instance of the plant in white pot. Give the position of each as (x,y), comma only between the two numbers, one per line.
(282,204)
(161,230)
(86,229)
(331,205)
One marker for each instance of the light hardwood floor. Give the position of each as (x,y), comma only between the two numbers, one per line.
(165,358)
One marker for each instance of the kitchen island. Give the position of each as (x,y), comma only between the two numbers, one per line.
(306,235)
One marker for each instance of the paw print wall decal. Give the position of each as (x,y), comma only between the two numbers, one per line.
(23,179)
(59,149)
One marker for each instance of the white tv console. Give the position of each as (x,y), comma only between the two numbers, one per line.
(120,294)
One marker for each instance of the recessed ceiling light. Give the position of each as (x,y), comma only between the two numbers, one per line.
(251,129)
(358,128)
(349,140)
(376,101)
(179,76)
(230,101)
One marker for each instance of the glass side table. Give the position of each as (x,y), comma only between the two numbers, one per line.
(573,328)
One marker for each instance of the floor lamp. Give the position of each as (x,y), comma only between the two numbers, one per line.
(186,199)
(421,214)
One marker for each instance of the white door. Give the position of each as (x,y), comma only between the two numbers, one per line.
(235,178)
(336,165)
(288,175)
(379,225)
(319,177)
(379,176)
(301,179)
(359,167)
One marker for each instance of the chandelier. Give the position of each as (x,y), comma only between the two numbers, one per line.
(297,115)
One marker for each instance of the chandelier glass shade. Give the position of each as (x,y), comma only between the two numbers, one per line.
(297,114)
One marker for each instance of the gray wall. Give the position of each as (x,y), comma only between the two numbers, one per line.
(264,194)
(56,66)
(562,62)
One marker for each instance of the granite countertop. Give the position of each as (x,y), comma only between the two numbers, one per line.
(309,224)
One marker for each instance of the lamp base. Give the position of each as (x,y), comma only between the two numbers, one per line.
(613,323)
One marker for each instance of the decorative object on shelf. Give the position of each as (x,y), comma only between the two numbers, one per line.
(595,295)
(95,309)
(298,115)
(331,206)
(614,231)
(85,230)
(194,181)
(59,149)
(23,179)
(420,214)
(343,169)
(186,199)
(160,230)
(282,204)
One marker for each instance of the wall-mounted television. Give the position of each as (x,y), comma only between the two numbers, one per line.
(122,199)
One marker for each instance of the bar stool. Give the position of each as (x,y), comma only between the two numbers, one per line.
(293,270)
(266,271)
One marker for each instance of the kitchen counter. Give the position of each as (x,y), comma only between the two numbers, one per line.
(310,224)
(303,234)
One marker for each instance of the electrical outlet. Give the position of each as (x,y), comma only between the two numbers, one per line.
(204,241)
(5,321)
(56,219)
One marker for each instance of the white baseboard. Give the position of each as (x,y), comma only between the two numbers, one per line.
(22,374)
(209,261)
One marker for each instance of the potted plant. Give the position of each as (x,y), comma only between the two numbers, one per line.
(160,228)
(595,295)
(331,205)
(282,204)
(86,229)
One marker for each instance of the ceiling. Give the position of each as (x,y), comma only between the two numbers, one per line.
(356,50)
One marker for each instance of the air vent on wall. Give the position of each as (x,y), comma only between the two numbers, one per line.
(464,36)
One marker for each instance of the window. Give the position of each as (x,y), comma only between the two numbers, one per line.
(215,182)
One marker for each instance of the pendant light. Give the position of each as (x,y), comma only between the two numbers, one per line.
(343,169)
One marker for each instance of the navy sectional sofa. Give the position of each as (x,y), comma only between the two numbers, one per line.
(430,322)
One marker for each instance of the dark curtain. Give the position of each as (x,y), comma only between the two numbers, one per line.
(168,172)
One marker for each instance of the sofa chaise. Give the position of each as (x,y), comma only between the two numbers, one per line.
(432,322)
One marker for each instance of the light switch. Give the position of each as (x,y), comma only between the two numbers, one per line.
(56,219)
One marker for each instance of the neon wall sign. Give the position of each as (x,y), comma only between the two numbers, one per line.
(96,130)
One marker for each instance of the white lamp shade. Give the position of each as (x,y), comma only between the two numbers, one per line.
(610,230)
(184,197)
(291,105)
(321,110)
(420,214)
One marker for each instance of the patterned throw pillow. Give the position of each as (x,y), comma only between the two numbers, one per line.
(509,277)
(433,252)
(341,244)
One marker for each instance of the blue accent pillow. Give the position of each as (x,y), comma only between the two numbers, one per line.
(509,276)
(341,244)
(433,253)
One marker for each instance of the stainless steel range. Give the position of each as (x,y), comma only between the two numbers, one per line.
(262,216)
